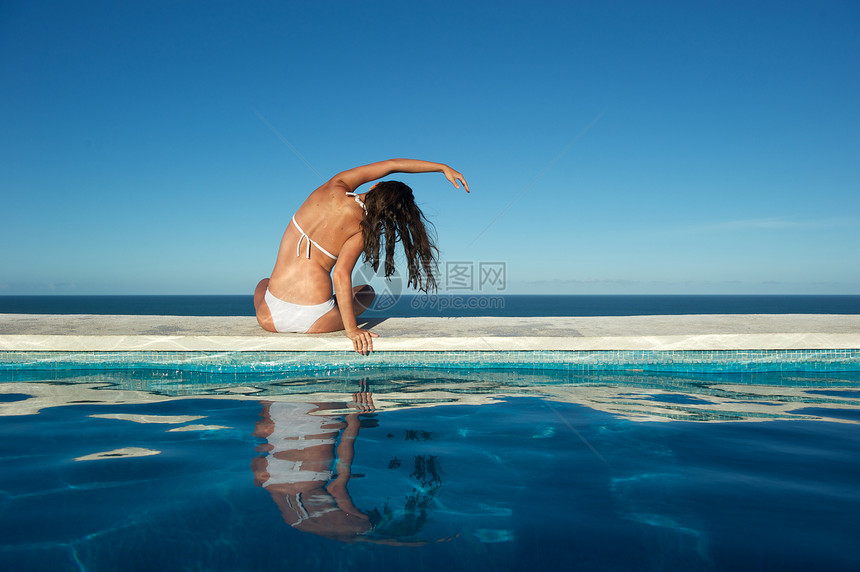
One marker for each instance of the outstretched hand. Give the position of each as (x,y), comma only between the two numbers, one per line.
(362,340)
(455,177)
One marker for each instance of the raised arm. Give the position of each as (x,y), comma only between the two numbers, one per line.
(358,176)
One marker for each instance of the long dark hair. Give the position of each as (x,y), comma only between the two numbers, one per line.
(392,213)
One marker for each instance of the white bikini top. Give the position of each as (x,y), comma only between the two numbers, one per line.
(311,241)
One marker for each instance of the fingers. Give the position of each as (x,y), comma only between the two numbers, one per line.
(363,400)
(362,342)
(456,178)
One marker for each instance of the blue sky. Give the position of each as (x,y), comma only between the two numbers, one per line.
(611,147)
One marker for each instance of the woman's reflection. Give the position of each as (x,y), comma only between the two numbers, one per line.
(309,464)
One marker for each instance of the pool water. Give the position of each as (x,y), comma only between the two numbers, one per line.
(419,470)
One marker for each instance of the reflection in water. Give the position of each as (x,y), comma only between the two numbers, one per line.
(310,449)
(635,396)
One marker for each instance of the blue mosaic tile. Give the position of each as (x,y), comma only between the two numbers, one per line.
(693,361)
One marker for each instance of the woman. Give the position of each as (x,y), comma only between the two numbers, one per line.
(324,240)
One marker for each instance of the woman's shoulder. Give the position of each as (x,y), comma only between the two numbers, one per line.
(331,189)
(329,199)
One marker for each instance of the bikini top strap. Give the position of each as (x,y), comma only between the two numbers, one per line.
(309,242)
(301,238)
(358,200)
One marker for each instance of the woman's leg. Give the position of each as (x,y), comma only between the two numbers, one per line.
(264,316)
(362,298)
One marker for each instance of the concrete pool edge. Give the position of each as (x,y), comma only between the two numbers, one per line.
(705,342)
(106,333)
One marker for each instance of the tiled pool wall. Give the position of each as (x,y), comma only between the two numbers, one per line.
(682,361)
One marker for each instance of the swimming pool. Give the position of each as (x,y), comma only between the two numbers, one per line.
(149,468)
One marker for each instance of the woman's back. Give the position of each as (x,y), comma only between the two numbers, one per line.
(320,227)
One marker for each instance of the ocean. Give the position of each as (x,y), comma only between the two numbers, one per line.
(451,305)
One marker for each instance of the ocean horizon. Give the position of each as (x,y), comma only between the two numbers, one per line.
(444,305)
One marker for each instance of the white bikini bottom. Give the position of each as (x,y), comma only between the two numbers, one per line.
(298,318)
(294,430)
